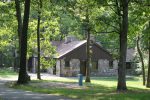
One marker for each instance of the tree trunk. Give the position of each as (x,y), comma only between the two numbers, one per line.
(23,76)
(19,20)
(87,79)
(15,61)
(1,59)
(38,39)
(123,48)
(141,58)
(148,77)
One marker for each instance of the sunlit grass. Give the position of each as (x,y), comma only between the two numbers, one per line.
(100,88)
(7,72)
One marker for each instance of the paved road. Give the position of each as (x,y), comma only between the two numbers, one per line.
(14,94)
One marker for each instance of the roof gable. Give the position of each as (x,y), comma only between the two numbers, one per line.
(64,49)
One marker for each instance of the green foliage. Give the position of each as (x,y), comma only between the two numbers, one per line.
(146,36)
(60,18)
(138,19)
(8,38)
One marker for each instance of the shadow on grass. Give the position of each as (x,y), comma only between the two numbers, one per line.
(92,92)
(114,78)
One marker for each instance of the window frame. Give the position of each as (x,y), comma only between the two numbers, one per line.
(67,64)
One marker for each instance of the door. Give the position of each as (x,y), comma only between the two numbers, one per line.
(54,70)
(83,68)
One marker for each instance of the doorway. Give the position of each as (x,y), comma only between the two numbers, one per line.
(54,70)
(83,68)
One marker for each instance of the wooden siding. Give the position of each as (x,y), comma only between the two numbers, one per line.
(80,53)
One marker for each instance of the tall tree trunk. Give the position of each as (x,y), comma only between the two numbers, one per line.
(19,20)
(23,76)
(15,61)
(87,79)
(148,77)
(123,48)
(141,58)
(38,38)
(1,58)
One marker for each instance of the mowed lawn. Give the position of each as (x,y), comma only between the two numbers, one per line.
(7,73)
(100,88)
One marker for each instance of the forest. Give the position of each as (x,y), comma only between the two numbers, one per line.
(28,26)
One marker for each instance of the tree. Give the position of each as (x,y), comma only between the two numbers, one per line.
(138,21)
(138,28)
(19,20)
(121,86)
(38,37)
(80,11)
(7,34)
(148,47)
(141,58)
(148,77)
(120,26)
(23,76)
(87,30)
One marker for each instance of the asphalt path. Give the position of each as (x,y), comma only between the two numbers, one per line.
(7,93)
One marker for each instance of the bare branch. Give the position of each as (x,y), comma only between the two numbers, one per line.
(103,32)
(113,10)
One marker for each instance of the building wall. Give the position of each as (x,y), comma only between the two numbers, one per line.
(75,65)
(58,68)
(80,53)
(104,68)
(74,69)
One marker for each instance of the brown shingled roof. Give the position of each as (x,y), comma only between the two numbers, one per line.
(64,48)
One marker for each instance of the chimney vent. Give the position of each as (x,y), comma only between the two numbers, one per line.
(70,38)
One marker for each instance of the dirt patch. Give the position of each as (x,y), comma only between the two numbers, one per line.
(58,85)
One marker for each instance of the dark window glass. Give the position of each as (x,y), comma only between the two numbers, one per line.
(111,64)
(128,65)
(67,64)
(94,65)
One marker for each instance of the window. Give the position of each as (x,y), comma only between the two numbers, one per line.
(111,64)
(128,65)
(94,65)
(67,64)
(83,67)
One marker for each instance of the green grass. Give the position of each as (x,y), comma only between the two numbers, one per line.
(6,72)
(101,88)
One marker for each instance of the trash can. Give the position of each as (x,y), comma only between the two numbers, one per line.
(80,79)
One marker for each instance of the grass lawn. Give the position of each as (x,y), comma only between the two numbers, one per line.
(101,88)
(7,73)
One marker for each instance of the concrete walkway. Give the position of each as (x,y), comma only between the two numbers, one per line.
(15,94)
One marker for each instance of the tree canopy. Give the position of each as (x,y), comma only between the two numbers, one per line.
(115,24)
